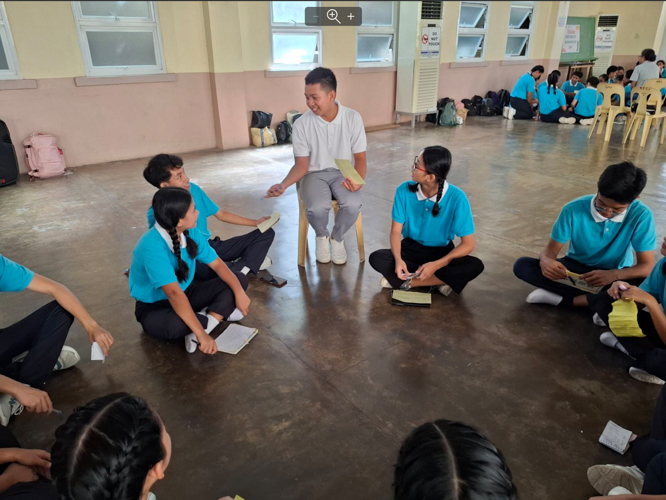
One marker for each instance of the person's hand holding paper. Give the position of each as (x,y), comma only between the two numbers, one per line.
(353,180)
(599,277)
(640,297)
(553,269)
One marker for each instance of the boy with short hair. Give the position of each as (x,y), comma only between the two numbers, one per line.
(610,72)
(573,86)
(522,101)
(602,230)
(586,101)
(249,251)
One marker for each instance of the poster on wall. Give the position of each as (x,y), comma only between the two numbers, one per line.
(571,43)
(430,40)
(603,41)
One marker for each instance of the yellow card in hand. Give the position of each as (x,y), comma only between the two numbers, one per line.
(349,171)
(623,320)
(269,223)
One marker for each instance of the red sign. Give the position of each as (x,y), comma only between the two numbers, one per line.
(424,39)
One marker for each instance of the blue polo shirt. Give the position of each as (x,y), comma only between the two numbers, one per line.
(587,101)
(569,87)
(655,283)
(542,85)
(524,85)
(606,244)
(203,204)
(13,277)
(550,101)
(414,212)
(154,264)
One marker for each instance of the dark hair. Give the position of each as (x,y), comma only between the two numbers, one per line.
(437,162)
(159,168)
(629,73)
(324,77)
(170,204)
(662,62)
(611,69)
(622,182)
(593,80)
(557,72)
(605,78)
(553,78)
(579,74)
(105,449)
(620,68)
(538,67)
(449,460)
(649,55)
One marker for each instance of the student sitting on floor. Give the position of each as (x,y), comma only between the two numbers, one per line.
(450,460)
(571,87)
(544,84)
(34,347)
(522,96)
(601,230)
(586,102)
(429,213)
(552,103)
(168,305)
(247,251)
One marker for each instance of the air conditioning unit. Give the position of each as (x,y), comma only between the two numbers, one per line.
(604,43)
(419,40)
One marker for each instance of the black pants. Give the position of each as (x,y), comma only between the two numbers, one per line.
(554,117)
(159,319)
(580,117)
(528,269)
(647,447)
(457,274)
(37,490)
(649,351)
(42,334)
(248,250)
(655,476)
(524,111)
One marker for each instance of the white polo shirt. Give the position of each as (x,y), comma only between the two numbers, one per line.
(324,142)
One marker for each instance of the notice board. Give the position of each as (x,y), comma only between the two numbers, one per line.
(585,37)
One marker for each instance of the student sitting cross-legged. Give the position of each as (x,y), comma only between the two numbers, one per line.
(586,102)
(427,215)
(247,251)
(601,229)
(168,305)
(573,86)
(523,96)
(552,103)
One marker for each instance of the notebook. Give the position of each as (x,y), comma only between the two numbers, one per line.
(234,338)
(417,299)
(96,353)
(576,281)
(623,319)
(616,438)
(349,171)
(269,223)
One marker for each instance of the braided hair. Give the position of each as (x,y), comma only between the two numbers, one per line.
(553,78)
(437,162)
(105,449)
(449,460)
(170,204)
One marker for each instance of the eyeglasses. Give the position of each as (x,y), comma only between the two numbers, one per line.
(606,209)
(415,167)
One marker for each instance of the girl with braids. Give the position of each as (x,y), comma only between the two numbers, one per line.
(553,103)
(162,271)
(448,460)
(427,215)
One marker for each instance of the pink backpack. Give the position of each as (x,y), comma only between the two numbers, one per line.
(43,157)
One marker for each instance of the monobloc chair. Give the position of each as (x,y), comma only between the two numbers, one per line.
(646,96)
(606,111)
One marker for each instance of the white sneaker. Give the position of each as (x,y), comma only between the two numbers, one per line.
(618,490)
(564,120)
(191,343)
(268,262)
(597,320)
(587,121)
(9,406)
(572,120)
(338,252)
(643,376)
(68,358)
(385,284)
(323,249)
(505,111)
(444,290)
(511,113)
(604,478)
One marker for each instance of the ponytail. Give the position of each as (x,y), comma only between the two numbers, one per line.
(553,78)
(435,209)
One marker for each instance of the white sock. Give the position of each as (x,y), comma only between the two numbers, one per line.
(541,296)
(245,270)
(212,323)
(610,340)
(204,311)
(235,316)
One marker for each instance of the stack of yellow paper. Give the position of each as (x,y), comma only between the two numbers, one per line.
(623,320)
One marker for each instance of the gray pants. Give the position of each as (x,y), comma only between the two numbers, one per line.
(317,190)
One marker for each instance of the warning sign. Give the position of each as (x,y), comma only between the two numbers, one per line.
(430,41)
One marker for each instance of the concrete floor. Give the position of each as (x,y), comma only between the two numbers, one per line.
(319,402)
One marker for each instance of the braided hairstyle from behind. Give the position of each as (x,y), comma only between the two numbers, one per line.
(105,449)
(553,78)
(437,162)
(170,204)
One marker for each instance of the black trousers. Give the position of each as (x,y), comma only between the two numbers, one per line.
(555,116)
(161,321)
(647,447)
(42,334)
(655,476)
(457,274)
(248,250)
(524,111)
(528,269)
(37,490)
(580,117)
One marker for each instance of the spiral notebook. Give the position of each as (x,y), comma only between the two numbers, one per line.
(616,437)
(234,338)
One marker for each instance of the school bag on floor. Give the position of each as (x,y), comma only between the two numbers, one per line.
(9,169)
(283,132)
(477,104)
(262,137)
(487,107)
(471,110)
(504,97)
(448,116)
(496,101)
(43,157)
(261,119)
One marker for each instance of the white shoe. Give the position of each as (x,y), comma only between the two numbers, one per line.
(564,120)
(597,320)
(385,284)
(505,111)
(9,406)
(572,120)
(191,343)
(604,478)
(323,249)
(643,376)
(618,490)
(268,262)
(444,290)
(338,252)
(68,358)
(511,113)
(236,315)
(587,121)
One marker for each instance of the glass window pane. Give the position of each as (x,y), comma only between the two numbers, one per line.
(516,45)
(116,9)
(296,48)
(4,64)
(290,12)
(377,13)
(121,48)
(470,46)
(374,49)
(520,18)
(473,15)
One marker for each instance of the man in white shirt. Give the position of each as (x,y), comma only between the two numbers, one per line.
(326,133)
(646,69)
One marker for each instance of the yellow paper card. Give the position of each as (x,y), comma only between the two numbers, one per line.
(412,297)
(623,320)
(269,223)
(349,171)
(238,497)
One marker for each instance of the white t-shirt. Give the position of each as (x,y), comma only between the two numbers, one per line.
(325,142)
(645,71)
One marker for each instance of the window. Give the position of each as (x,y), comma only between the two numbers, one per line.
(9,68)
(520,30)
(294,45)
(472,30)
(375,38)
(119,38)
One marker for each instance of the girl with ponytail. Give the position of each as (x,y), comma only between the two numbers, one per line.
(162,271)
(553,102)
(427,215)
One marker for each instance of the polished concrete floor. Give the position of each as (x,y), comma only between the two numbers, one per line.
(318,403)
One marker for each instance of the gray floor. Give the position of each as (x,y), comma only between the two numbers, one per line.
(318,403)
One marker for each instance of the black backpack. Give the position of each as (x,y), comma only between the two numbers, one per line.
(487,107)
(469,106)
(261,119)
(504,97)
(283,132)
(9,169)
(477,103)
